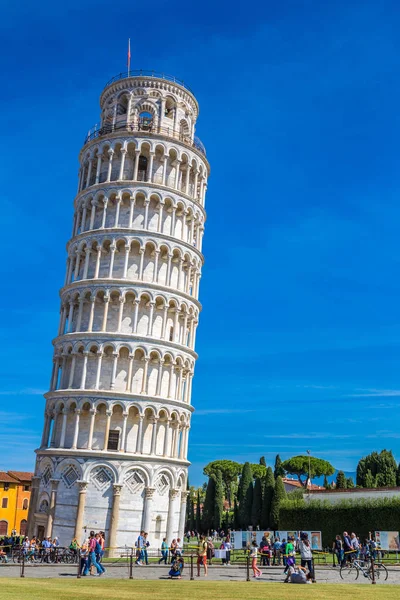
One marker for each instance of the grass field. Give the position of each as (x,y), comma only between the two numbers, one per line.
(50,589)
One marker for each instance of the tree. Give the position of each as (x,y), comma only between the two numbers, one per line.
(278,496)
(279,470)
(349,483)
(257,503)
(341,481)
(383,469)
(398,475)
(198,513)
(268,492)
(299,465)
(258,470)
(230,471)
(369,480)
(263,462)
(219,501)
(246,495)
(207,520)
(326,482)
(236,523)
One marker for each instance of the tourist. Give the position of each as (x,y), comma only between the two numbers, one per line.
(355,544)
(265,552)
(276,552)
(139,545)
(210,551)
(298,575)
(47,545)
(172,550)
(178,547)
(304,547)
(338,549)
(176,569)
(95,548)
(253,556)
(145,546)
(188,537)
(202,555)
(164,552)
(84,559)
(283,552)
(228,548)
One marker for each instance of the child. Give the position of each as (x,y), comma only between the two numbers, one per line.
(253,556)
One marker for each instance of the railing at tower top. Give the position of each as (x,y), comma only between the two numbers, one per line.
(145,126)
(141,73)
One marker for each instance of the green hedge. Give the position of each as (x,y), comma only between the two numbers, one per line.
(360,516)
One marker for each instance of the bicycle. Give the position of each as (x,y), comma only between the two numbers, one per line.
(351,570)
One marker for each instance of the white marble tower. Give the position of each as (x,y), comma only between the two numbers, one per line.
(113,455)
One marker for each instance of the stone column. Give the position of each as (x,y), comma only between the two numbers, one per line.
(154,422)
(52,509)
(99,158)
(114,519)
(107,431)
(141,252)
(99,361)
(126,261)
(117,209)
(160,214)
(86,266)
(46,430)
(121,170)
(110,154)
(139,435)
(135,315)
(76,429)
(182,515)
(129,378)
(148,500)
(112,252)
(136,167)
(114,370)
(122,447)
(150,177)
(32,506)
(173,495)
(144,380)
(91,427)
(120,314)
(132,208)
(84,369)
(80,512)
(105,315)
(91,314)
(166,437)
(63,427)
(98,258)
(150,323)
(104,217)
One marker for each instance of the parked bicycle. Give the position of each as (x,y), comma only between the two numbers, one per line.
(351,570)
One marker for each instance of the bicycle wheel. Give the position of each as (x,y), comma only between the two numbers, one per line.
(381,572)
(349,572)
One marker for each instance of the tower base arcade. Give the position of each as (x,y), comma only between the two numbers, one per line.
(75,495)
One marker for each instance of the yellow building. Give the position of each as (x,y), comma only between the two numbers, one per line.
(15,492)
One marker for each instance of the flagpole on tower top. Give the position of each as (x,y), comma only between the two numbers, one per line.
(129,56)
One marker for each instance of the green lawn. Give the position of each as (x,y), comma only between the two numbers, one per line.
(108,589)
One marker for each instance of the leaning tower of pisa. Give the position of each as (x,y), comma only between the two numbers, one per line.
(113,454)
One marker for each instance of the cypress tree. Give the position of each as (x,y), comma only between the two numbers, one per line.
(349,482)
(326,482)
(263,462)
(398,475)
(340,481)
(279,495)
(218,501)
(236,524)
(198,513)
(257,503)
(268,492)
(279,470)
(207,520)
(246,500)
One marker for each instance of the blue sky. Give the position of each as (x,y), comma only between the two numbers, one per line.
(299,339)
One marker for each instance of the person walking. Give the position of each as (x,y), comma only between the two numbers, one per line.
(253,556)
(338,549)
(277,552)
(94,547)
(202,555)
(139,545)
(347,548)
(146,544)
(164,552)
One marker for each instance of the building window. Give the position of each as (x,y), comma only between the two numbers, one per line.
(4,503)
(6,487)
(113,440)
(3,528)
(22,527)
(27,488)
(25,505)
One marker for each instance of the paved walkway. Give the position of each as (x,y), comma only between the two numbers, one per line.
(215,573)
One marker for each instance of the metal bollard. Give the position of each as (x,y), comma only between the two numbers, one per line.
(373,571)
(313,570)
(248,568)
(131,565)
(191,568)
(78,554)
(23,565)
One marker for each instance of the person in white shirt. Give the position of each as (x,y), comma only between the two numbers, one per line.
(253,556)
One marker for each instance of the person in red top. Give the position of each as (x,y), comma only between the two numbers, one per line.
(94,547)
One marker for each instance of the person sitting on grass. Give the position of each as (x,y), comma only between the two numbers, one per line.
(176,568)
(297,574)
(3,556)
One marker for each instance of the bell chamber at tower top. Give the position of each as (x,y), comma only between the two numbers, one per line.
(146,133)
